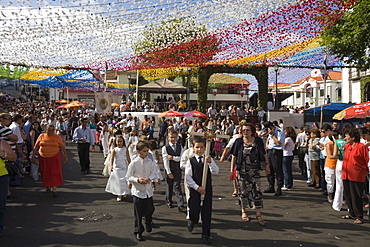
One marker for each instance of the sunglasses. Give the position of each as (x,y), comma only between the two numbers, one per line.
(6,118)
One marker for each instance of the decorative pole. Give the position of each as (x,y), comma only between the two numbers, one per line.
(276,68)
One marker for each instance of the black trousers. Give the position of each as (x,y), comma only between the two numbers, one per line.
(161,138)
(302,164)
(83,150)
(142,207)
(276,167)
(205,210)
(353,194)
(174,185)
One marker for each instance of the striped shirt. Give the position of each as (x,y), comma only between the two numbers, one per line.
(4,132)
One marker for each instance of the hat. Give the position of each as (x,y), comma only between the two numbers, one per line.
(268,124)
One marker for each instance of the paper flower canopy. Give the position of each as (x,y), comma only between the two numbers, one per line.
(96,34)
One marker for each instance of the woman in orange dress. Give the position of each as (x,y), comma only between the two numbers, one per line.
(48,147)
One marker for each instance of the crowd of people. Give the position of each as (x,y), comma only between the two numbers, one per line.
(333,160)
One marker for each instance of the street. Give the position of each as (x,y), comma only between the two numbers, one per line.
(83,214)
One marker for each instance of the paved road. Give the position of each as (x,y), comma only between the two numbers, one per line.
(301,217)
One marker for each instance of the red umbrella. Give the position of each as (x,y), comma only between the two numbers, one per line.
(171,114)
(77,103)
(195,114)
(62,101)
(62,106)
(361,110)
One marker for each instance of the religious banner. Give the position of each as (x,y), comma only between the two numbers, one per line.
(103,101)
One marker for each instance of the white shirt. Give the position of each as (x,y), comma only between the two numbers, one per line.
(223,112)
(189,172)
(212,111)
(141,168)
(16,131)
(166,162)
(186,155)
(288,147)
(232,140)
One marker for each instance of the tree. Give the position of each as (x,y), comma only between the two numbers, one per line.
(261,74)
(348,37)
(177,43)
(12,72)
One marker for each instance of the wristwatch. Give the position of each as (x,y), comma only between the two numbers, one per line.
(5,154)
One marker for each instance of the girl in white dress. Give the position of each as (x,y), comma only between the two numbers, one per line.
(117,183)
(104,140)
(132,141)
(154,150)
(111,144)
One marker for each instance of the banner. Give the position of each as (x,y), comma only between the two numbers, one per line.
(103,101)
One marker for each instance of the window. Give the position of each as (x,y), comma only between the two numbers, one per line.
(322,93)
(298,95)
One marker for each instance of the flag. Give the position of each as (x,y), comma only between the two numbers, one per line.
(103,101)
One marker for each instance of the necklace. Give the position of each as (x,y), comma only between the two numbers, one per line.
(246,141)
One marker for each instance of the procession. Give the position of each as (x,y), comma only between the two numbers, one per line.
(157,123)
(136,164)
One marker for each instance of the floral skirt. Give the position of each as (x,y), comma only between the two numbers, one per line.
(250,195)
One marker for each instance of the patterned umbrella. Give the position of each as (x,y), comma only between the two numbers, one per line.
(76,103)
(195,114)
(63,101)
(62,106)
(361,110)
(171,114)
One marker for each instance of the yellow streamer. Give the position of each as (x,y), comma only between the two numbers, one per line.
(42,74)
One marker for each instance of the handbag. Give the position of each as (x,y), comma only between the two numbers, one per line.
(13,168)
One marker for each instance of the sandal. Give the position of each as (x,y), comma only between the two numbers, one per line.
(260,220)
(234,194)
(358,221)
(347,217)
(245,217)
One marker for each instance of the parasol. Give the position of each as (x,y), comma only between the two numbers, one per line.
(361,110)
(77,103)
(171,114)
(62,106)
(195,114)
(115,105)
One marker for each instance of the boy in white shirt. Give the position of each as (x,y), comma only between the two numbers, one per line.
(141,171)
(193,178)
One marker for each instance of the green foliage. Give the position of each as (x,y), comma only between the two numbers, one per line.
(348,37)
(363,83)
(12,72)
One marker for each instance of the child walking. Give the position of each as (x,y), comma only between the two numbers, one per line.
(117,183)
(218,143)
(154,150)
(193,178)
(141,172)
(171,154)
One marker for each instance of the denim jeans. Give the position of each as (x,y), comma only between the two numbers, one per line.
(287,169)
(4,183)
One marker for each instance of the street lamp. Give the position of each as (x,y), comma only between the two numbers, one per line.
(276,68)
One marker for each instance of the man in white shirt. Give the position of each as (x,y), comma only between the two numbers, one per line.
(211,112)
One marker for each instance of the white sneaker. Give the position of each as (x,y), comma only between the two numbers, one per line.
(284,188)
(119,198)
